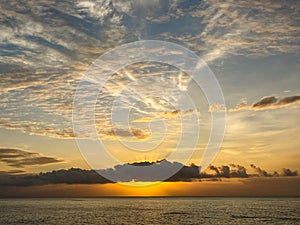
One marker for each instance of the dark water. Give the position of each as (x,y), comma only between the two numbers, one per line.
(151,211)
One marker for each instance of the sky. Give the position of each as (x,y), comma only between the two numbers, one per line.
(47,47)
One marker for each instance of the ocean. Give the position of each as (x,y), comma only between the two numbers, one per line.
(202,210)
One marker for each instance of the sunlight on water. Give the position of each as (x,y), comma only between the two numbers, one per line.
(151,211)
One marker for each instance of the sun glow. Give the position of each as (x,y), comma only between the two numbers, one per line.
(141,188)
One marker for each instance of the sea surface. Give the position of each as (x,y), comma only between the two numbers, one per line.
(150,211)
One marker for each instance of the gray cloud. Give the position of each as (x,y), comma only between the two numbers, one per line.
(228,171)
(225,171)
(125,173)
(265,102)
(71,176)
(12,172)
(268,102)
(260,171)
(288,100)
(133,132)
(213,168)
(264,173)
(79,176)
(20,158)
(238,171)
(288,172)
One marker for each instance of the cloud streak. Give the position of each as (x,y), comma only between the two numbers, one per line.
(268,102)
(125,133)
(20,158)
(249,29)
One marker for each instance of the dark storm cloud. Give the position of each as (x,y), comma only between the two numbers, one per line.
(20,158)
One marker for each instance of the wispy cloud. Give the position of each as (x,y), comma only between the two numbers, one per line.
(227,29)
(125,133)
(10,172)
(21,158)
(46,47)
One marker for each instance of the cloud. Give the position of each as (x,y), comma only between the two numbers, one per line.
(20,158)
(227,171)
(133,132)
(238,171)
(45,51)
(217,108)
(213,168)
(288,100)
(285,172)
(241,106)
(268,102)
(288,172)
(233,170)
(176,113)
(243,28)
(143,120)
(260,171)
(123,173)
(43,54)
(12,172)
(147,171)
(265,102)
(71,176)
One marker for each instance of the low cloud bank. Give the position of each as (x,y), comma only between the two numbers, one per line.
(186,173)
